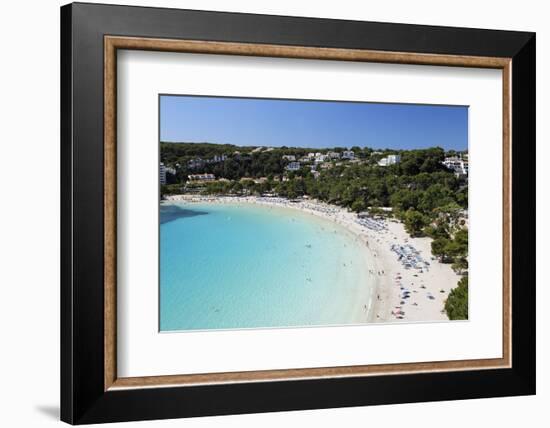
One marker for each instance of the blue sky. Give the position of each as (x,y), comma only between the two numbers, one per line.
(318,124)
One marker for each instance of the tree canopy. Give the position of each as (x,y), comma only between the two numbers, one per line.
(456,305)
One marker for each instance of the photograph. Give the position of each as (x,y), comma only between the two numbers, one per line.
(267,211)
(280,213)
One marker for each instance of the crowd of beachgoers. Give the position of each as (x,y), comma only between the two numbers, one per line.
(410,257)
(407,286)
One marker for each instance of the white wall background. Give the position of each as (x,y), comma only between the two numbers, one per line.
(29,217)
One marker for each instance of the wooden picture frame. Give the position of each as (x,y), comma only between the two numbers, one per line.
(91,390)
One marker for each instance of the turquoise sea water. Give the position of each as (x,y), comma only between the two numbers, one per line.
(226,266)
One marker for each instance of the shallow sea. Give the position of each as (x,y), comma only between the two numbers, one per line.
(234,266)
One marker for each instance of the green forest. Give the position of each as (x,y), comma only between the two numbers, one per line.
(426,196)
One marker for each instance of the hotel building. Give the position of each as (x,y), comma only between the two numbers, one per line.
(458,165)
(348,154)
(389,160)
(293,166)
(201,177)
(162,174)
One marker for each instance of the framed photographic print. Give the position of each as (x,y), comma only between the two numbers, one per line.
(264,213)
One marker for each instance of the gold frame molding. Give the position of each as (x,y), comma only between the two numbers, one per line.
(113,43)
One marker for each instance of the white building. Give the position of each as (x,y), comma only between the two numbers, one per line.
(201,177)
(320,158)
(348,154)
(293,166)
(333,155)
(219,158)
(290,158)
(162,174)
(389,160)
(458,165)
(393,159)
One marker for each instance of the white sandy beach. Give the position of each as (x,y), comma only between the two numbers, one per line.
(399,294)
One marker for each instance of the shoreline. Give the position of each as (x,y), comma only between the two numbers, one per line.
(398,293)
